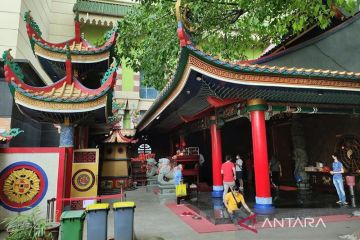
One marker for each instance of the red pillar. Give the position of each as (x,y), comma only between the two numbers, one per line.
(257,108)
(216,153)
(77,31)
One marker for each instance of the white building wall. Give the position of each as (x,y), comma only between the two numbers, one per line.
(54,17)
(62,21)
(9,24)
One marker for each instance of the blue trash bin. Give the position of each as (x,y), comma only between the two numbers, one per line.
(124,220)
(96,219)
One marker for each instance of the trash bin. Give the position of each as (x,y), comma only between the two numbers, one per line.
(72,225)
(124,220)
(96,219)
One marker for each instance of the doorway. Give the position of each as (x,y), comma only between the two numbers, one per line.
(282,148)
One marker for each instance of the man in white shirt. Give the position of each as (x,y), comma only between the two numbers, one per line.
(239,172)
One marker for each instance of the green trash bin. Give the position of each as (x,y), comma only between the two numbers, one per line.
(96,220)
(72,225)
(124,220)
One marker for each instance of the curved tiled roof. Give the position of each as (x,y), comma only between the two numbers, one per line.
(263,71)
(61,91)
(77,46)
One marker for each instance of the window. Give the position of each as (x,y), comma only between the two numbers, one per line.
(144,148)
(147,92)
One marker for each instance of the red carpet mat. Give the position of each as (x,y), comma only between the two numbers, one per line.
(202,225)
(287,188)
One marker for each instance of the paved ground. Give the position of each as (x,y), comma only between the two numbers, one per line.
(153,219)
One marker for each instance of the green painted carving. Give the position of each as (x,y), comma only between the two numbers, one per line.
(110,71)
(68,52)
(76,17)
(33,24)
(14,66)
(13,132)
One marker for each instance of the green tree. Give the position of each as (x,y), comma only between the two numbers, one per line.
(225,28)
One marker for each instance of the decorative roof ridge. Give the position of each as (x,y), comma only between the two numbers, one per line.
(166,90)
(34,34)
(13,73)
(15,79)
(183,27)
(279,70)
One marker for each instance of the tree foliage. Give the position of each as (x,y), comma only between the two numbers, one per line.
(225,28)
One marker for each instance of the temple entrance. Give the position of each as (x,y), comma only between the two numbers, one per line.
(282,150)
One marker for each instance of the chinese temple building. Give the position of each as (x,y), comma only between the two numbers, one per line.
(76,98)
(208,95)
(73,102)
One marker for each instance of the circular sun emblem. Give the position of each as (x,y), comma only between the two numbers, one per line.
(22,186)
(83,180)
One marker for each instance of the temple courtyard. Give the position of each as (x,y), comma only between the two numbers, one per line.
(159,218)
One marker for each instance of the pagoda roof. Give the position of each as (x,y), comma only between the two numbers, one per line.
(80,50)
(67,96)
(200,76)
(62,91)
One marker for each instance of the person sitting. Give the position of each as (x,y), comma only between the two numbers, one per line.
(234,202)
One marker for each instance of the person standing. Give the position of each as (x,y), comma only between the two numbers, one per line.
(233,202)
(239,171)
(228,172)
(338,181)
(178,181)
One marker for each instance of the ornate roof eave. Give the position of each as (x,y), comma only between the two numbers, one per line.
(80,49)
(256,75)
(63,91)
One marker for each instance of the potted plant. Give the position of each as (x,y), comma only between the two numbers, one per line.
(28,227)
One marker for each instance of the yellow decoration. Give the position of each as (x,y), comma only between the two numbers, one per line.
(33,103)
(96,57)
(21,186)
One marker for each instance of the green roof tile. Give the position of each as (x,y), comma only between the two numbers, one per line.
(111,9)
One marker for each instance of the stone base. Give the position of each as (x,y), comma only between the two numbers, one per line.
(168,189)
(151,184)
(151,181)
(303,186)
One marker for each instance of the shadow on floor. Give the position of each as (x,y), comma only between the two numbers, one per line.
(288,204)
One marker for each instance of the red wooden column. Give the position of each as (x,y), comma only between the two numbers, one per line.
(216,153)
(263,199)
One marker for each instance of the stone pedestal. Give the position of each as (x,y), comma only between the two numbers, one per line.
(167,189)
(151,183)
